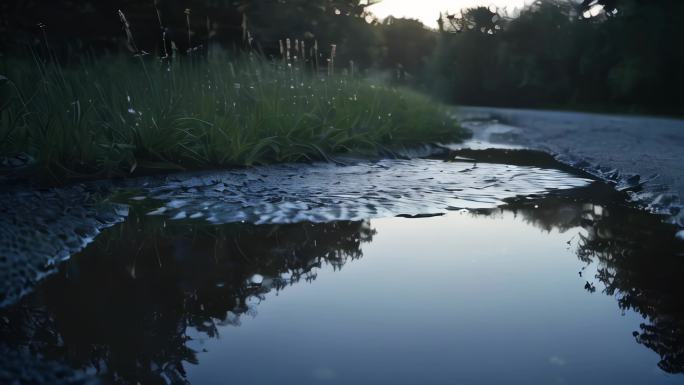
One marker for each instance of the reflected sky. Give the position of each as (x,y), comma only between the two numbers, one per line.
(572,287)
(467,299)
(477,267)
(44,228)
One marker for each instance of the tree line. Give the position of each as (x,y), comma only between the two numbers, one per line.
(615,55)
(621,55)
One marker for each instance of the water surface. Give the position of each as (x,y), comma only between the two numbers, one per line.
(566,283)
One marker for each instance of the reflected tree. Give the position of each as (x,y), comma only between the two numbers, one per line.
(124,307)
(639,260)
(641,265)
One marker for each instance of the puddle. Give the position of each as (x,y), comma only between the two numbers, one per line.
(46,227)
(324,192)
(529,274)
(490,134)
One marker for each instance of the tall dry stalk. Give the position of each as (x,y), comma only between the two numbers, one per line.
(131,42)
(129,34)
(163,31)
(296,49)
(243,26)
(187,21)
(288,47)
(156,8)
(331,60)
(315,55)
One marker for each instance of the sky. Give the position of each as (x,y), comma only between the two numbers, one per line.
(428,11)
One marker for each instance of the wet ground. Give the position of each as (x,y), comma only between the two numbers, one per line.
(630,150)
(473,267)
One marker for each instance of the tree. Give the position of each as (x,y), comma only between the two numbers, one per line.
(550,55)
(406,45)
(95,25)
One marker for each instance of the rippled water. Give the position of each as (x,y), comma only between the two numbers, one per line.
(547,277)
(41,228)
(325,192)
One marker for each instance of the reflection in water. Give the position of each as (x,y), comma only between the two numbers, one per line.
(638,261)
(42,228)
(124,307)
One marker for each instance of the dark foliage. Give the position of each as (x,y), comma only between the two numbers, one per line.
(638,260)
(625,56)
(74,27)
(123,308)
(619,55)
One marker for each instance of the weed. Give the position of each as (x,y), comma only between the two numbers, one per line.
(116,115)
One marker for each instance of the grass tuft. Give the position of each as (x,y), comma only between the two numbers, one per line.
(116,116)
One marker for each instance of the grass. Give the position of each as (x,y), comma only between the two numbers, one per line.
(116,116)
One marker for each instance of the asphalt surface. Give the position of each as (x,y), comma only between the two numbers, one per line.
(643,155)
